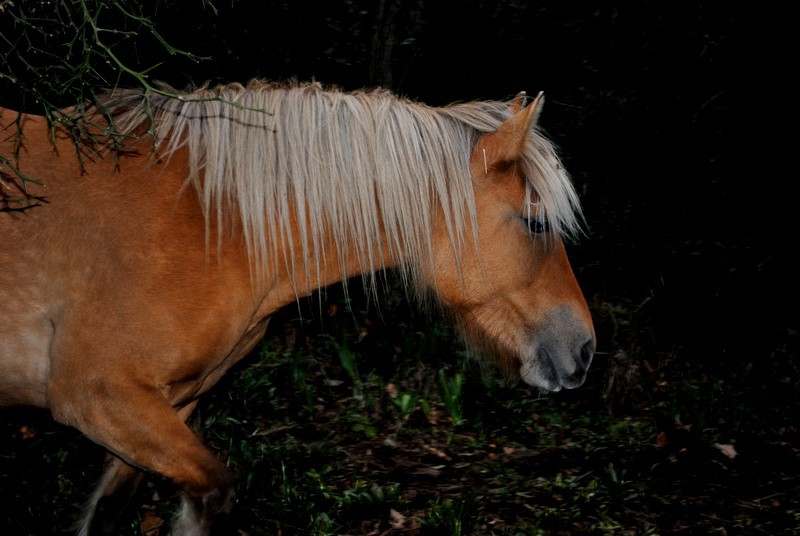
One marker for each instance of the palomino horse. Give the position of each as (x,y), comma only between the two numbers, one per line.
(135,275)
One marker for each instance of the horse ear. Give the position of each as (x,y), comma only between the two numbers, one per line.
(536,109)
(507,143)
(518,103)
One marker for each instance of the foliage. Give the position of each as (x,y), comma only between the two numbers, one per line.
(58,53)
(315,452)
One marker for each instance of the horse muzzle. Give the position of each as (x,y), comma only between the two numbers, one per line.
(560,355)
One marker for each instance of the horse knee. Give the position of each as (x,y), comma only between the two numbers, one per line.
(207,512)
(148,433)
(219,502)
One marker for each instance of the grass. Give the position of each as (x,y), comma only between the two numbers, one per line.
(362,422)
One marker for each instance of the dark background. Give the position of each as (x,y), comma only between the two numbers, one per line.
(668,116)
(674,119)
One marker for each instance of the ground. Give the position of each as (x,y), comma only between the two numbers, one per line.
(367,422)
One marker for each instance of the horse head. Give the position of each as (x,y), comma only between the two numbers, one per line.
(512,289)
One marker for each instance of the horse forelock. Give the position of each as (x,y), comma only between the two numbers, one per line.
(548,183)
(358,164)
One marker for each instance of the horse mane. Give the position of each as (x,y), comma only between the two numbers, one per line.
(357,163)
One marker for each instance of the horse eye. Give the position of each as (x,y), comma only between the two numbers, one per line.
(537,225)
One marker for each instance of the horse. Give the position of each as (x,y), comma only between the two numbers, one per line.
(149,236)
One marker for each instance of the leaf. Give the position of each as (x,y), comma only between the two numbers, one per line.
(396,519)
(726,449)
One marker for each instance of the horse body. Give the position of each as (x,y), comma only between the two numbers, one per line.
(130,285)
(107,262)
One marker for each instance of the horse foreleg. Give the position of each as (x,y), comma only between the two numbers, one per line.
(145,432)
(113,493)
(111,497)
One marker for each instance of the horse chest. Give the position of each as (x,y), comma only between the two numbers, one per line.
(24,363)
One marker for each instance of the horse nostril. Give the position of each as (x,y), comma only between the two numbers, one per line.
(587,352)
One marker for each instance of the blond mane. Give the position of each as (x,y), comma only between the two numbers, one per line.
(357,163)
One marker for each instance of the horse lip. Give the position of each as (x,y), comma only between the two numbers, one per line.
(550,369)
(543,371)
(568,380)
(540,371)
(574,381)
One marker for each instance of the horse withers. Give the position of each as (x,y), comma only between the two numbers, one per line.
(147,241)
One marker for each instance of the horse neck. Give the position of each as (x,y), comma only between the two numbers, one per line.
(298,268)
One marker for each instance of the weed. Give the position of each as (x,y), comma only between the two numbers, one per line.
(452,518)
(407,403)
(451,395)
